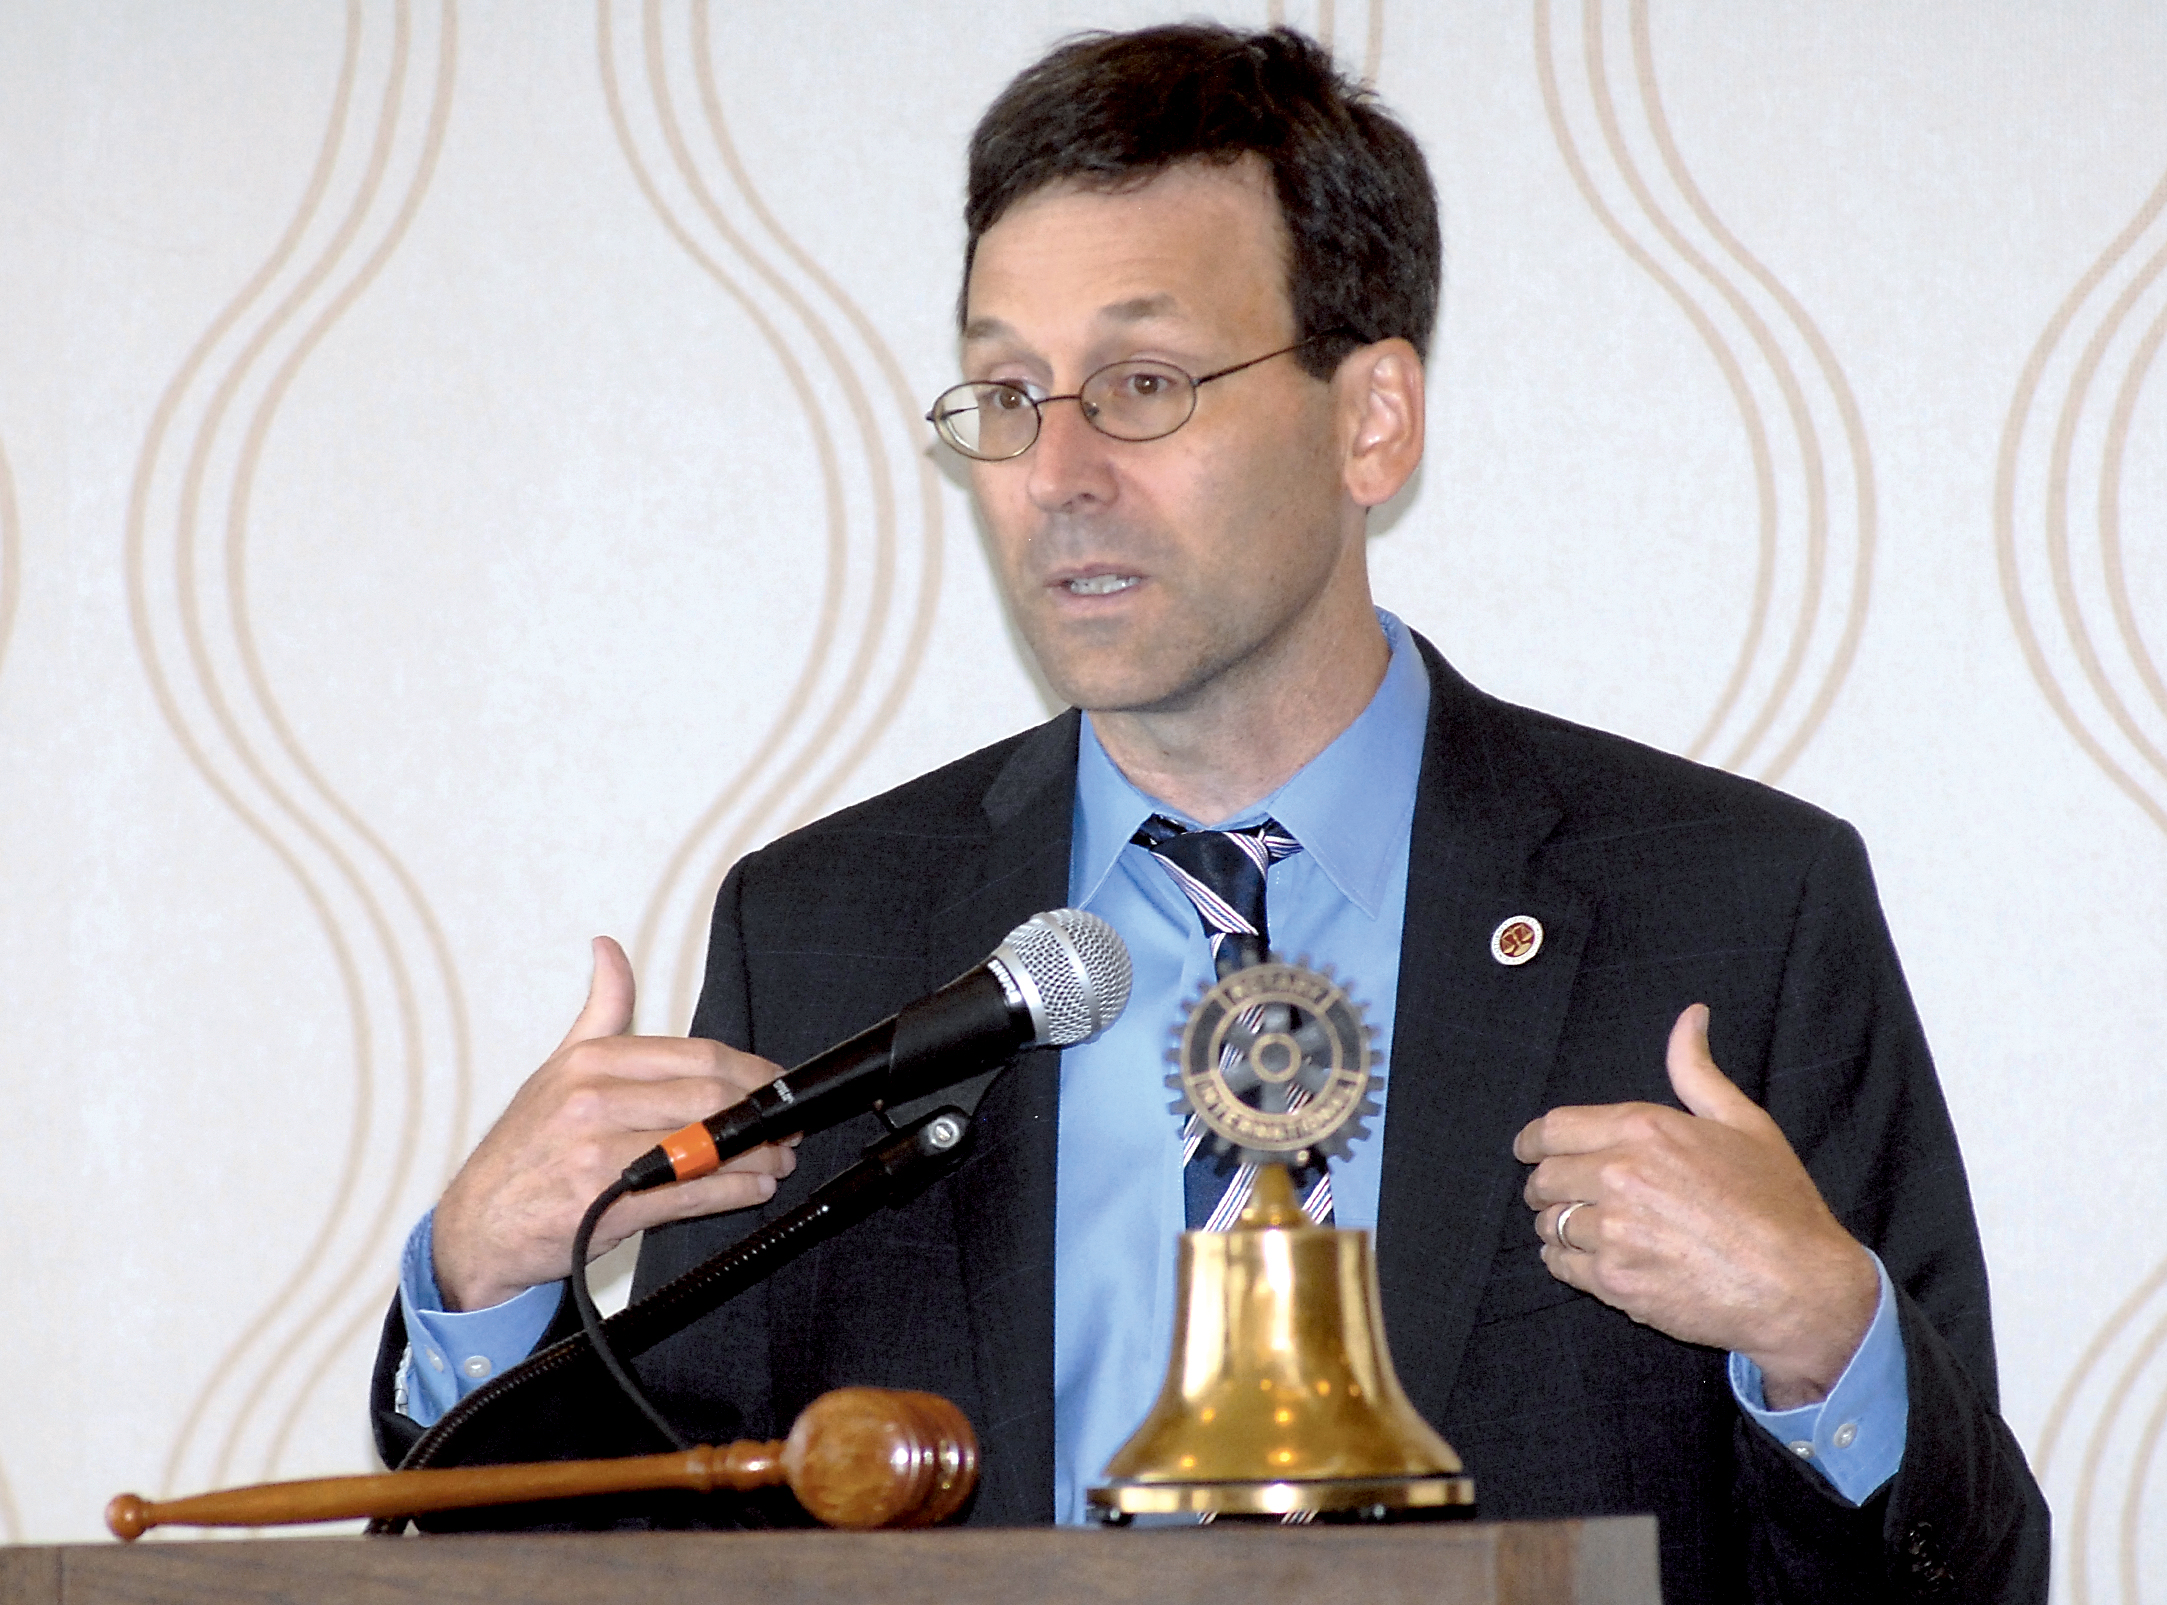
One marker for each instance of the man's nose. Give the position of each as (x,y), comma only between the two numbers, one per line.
(1070,462)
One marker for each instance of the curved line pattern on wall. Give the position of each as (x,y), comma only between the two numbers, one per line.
(2102,682)
(2100,1504)
(882,552)
(2065,583)
(190,530)
(1815,517)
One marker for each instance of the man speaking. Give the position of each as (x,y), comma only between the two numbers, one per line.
(1669,1213)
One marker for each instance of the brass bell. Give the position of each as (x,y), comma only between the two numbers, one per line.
(1280,1397)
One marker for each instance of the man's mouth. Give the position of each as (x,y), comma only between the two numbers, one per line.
(1102,584)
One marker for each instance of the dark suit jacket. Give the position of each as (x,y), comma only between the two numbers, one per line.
(1658,883)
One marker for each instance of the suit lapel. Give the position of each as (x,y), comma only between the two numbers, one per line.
(1474,1042)
(1473,1039)
(1004,1194)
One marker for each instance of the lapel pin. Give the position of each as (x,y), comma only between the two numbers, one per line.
(1516,940)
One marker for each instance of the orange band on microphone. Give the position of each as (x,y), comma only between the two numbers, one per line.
(692,1151)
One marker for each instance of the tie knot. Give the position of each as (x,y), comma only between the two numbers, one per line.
(1222,874)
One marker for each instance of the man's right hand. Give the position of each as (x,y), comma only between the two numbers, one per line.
(603,1098)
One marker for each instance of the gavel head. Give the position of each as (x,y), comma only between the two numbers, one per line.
(874,1457)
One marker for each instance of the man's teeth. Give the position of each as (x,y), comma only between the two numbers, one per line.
(1101,584)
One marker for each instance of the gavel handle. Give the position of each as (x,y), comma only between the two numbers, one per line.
(748,1464)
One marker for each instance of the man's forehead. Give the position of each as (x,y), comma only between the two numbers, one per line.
(1172,248)
(1127,311)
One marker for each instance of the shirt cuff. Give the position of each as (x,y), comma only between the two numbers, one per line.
(451,1353)
(1855,1436)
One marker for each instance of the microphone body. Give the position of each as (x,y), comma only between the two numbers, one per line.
(1059,978)
(970,1018)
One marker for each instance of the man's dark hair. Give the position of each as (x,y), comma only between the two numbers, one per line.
(1109,110)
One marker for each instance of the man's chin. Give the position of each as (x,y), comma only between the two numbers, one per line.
(1122,690)
(1129,671)
(1142,673)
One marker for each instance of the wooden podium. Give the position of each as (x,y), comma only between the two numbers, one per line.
(1610,1561)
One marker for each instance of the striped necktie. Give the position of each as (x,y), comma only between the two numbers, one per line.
(1222,874)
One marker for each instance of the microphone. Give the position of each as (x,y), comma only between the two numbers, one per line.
(1057,979)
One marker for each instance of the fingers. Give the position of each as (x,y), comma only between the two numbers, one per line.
(1577,1235)
(1702,1087)
(1561,1179)
(645,1109)
(749,1179)
(622,1058)
(603,1098)
(1574,1261)
(610,996)
(1694,1076)
(1585,1129)
(1701,1223)
(1567,1130)
(1529,1147)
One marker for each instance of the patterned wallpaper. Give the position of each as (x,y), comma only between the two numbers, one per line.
(462,485)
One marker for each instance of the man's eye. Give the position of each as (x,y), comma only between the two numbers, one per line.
(1006,398)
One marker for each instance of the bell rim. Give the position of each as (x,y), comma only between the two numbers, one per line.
(1281,1495)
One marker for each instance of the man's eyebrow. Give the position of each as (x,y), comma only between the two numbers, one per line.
(1140,309)
(1137,309)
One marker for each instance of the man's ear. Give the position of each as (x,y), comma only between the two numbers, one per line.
(1381,410)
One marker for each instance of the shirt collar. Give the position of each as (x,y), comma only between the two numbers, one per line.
(1351,807)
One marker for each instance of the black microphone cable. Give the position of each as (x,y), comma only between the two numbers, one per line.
(897,1166)
(590,1318)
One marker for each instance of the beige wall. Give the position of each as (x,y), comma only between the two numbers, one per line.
(461,485)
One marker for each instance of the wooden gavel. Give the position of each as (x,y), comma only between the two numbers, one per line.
(857,1457)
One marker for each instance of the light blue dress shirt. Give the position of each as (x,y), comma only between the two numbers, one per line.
(451,1353)
(1118,1192)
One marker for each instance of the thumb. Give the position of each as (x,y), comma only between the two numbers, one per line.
(608,1010)
(1703,1088)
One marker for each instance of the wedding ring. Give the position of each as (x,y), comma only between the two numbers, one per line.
(1565,1215)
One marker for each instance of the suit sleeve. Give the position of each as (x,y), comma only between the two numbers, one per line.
(396,1433)
(724,1012)
(1852,1084)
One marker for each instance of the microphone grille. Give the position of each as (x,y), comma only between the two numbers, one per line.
(1073,970)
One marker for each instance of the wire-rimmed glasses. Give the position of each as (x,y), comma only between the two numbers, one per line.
(993,420)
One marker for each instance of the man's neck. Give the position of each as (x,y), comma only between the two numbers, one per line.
(1212,760)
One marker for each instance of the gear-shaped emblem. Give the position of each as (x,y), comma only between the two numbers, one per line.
(1275,1061)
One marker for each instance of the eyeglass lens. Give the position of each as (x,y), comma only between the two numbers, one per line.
(1129,401)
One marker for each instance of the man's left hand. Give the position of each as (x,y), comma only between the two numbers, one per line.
(1703,1224)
